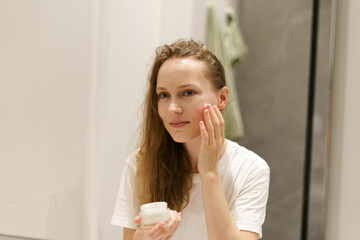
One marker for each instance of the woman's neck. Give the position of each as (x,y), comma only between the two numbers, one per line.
(193,149)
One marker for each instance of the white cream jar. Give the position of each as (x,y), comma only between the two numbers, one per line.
(153,213)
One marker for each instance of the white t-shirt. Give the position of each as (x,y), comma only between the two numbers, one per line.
(245,179)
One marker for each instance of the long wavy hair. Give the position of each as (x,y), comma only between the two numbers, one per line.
(164,170)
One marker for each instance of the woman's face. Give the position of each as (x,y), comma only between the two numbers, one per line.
(183,89)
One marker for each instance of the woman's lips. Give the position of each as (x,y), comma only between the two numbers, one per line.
(179,124)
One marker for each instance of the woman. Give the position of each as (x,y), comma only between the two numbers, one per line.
(219,187)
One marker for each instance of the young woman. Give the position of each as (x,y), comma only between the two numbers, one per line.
(216,188)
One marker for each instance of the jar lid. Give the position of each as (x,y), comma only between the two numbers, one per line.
(154,212)
(154,206)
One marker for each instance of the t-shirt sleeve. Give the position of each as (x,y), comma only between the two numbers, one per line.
(125,208)
(249,208)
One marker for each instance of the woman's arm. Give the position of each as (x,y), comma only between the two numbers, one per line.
(128,233)
(219,221)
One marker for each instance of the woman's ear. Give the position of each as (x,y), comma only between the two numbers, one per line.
(223,97)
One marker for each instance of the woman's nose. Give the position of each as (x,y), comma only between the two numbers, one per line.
(175,107)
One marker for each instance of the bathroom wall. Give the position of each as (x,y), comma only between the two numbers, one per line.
(343,218)
(131,34)
(47,80)
(191,23)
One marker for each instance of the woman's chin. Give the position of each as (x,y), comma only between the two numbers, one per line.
(179,139)
(184,139)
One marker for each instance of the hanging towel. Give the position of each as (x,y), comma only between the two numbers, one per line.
(227,51)
(234,42)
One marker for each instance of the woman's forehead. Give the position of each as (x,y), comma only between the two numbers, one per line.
(183,63)
(181,70)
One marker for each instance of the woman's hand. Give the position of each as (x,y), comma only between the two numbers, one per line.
(161,231)
(212,139)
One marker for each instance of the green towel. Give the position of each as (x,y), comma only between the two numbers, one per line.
(235,45)
(229,49)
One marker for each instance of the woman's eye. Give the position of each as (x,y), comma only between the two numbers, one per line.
(163,95)
(189,93)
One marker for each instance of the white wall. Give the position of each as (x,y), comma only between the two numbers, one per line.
(187,18)
(132,32)
(343,218)
(47,79)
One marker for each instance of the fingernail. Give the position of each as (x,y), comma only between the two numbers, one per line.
(207,105)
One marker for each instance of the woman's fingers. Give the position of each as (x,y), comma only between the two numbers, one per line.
(176,227)
(169,230)
(221,122)
(161,230)
(155,230)
(216,123)
(137,220)
(204,134)
(209,125)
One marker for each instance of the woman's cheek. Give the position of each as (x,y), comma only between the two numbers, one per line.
(161,111)
(200,112)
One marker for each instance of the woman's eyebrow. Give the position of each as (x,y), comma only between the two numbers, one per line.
(182,86)
(187,85)
(160,88)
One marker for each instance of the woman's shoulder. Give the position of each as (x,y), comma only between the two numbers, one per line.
(244,158)
(131,159)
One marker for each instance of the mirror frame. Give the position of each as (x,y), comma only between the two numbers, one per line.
(325,58)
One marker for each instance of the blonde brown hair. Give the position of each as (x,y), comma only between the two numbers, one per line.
(164,170)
